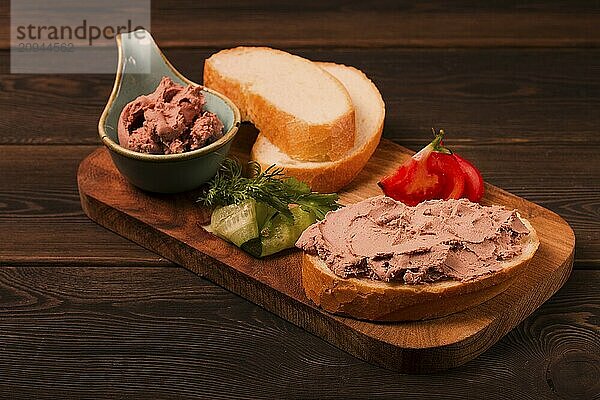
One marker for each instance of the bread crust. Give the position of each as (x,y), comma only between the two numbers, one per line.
(381,301)
(333,176)
(297,138)
(327,177)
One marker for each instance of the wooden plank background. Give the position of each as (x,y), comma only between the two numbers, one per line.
(380,23)
(85,313)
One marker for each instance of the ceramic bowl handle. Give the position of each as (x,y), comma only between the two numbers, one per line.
(139,54)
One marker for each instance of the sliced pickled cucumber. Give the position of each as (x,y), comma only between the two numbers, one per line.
(236,223)
(302,220)
(264,212)
(258,228)
(281,233)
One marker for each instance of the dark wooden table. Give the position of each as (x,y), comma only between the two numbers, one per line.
(85,313)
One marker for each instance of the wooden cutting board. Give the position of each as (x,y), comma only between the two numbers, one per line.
(169,225)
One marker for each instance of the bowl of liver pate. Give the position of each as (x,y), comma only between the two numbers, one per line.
(165,133)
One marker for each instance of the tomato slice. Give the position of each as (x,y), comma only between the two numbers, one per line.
(434,173)
(431,175)
(474,187)
(411,183)
(450,175)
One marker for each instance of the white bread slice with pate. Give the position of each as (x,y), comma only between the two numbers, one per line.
(375,300)
(328,177)
(302,109)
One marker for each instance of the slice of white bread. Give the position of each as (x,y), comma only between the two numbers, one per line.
(382,301)
(302,109)
(328,177)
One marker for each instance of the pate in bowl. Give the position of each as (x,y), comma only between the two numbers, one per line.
(141,67)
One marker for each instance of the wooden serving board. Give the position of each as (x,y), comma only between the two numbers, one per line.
(169,225)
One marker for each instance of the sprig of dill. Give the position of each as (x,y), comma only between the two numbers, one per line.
(270,186)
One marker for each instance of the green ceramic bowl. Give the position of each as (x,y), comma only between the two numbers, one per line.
(141,67)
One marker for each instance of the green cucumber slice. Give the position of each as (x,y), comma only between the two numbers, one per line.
(302,220)
(264,212)
(281,233)
(236,222)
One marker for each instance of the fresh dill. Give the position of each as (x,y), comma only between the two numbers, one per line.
(270,186)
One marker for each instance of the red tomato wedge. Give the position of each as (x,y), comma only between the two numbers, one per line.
(451,175)
(434,173)
(474,187)
(411,183)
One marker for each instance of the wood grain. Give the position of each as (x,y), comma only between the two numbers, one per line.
(146,332)
(383,23)
(172,230)
(41,220)
(481,97)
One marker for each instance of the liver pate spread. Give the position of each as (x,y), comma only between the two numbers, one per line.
(382,239)
(171,120)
